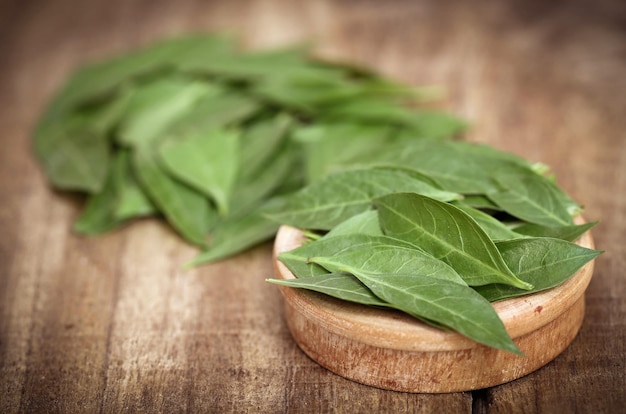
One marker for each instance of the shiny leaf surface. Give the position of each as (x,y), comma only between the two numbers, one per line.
(448,234)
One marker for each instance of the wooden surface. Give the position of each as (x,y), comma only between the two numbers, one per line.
(396,353)
(111,323)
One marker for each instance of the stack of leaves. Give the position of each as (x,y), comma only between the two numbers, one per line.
(209,137)
(436,229)
(227,146)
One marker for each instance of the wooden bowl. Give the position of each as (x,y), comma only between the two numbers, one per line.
(391,350)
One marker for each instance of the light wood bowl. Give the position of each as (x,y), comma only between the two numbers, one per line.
(391,350)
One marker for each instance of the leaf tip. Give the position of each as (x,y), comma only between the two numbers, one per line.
(190,264)
(515,350)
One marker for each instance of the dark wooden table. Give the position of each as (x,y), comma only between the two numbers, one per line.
(112,323)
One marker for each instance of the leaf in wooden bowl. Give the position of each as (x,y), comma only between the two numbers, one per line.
(392,350)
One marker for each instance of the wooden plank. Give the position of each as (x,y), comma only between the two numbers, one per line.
(113,324)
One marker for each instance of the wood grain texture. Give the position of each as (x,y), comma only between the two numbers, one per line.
(111,323)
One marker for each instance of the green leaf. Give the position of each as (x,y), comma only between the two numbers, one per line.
(448,234)
(363,223)
(131,200)
(118,200)
(382,255)
(206,161)
(532,198)
(495,229)
(98,215)
(254,66)
(569,233)
(330,147)
(422,124)
(73,155)
(74,149)
(331,200)
(480,202)
(232,236)
(99,81)
(373,109)
(456,166)
(312,91)
(266,183)
(191,53)
(212,111)
(438,125)
(340,286)
(297,260)
(440,163)
(260,142)
(451,304)
(155,106)
(543,262)
(186,210)
(304,96)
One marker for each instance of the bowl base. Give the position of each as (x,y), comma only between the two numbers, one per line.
(435,371)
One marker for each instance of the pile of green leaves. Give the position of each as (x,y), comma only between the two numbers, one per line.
(209,137)
(227,145)
(436,229)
